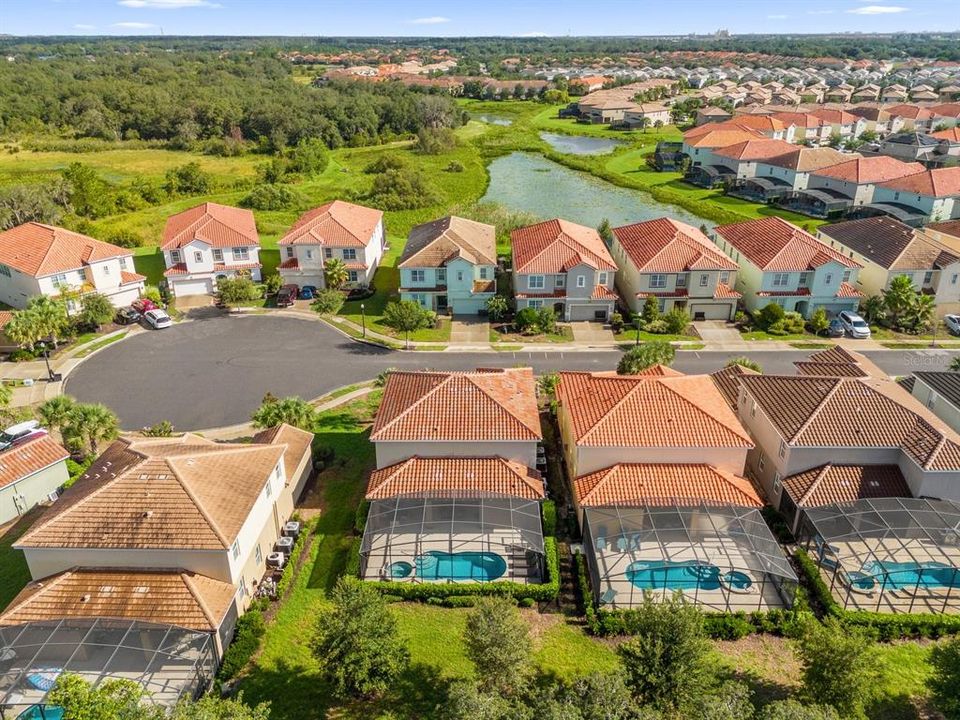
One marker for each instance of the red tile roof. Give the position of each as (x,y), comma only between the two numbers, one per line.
(335,224)
(835,117)
(772,243)
(181,268)
(25,460)
(455,477)
(216,225)
(663,484)
(876,169)
(482,406)
(130,277)
(725,292)
(40,250)
(602,292)
(804,159)
(556,246)
(756,149)
(845,483)
(950,134)
(939,182)
(718,136)
(668,245)
(914,112)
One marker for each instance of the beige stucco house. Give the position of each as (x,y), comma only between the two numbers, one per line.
(31,474)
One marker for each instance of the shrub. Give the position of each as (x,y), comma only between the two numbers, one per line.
(497,641)
(616,322)
(454,167)
(818,321)
(290,568)
(435,141)
(793,322)
(125,239)
(385,163)
(657,327)
(548,510)
(164,428)
(778,327)
(546,321)
(328,302)
(271,197)
(746,362)
(526,320)
(640,357)
(246,641)
(944,682)
(401,189)
(651,309)
(497,307)
(676,321)
(309,157)
(768,315)
(187,179)
(360,517)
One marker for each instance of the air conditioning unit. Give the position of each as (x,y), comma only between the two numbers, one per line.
(292,529)
(276,560)
(52,497)
(284,544)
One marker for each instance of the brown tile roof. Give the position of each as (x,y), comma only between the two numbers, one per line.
(482,406)
(835,354)
(939,182)
(297,444)
(455,477)
(40,250)
(335,224)
(773,244)
(755,149)
(28,459)
(804,159)
(667,484)
(160,493)
(556,246)
(435,243)
(828,369)
(950,227)
(174,597)
(216,225)
(876,169)
(889,243)
(907,110)
(718,136)
(727,381)
(845,483)
(668,245)
(649,411)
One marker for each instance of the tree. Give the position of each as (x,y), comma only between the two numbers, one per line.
(769,314)
(547,384)
(546,320)
(646,355)
(405,316)
(527,319)
(644,122)
(793,710)
(88,193)
(110,700)
(309,157)
(290,410)
(55,412)
(237,290)
(944,681)
(357,643)
(668,660)
(464,701)
(497,307)
(872,309)
(50,316)
(187,179)
(335,273)
(328,301)
(605,232)
(21,204)
(91,424)
(898,298)
(271,197)
(746,362)
(96,309)
(24,329)
(839,666)
(498,644)
(651,310)
(818,321)
(272,283)
(602,696)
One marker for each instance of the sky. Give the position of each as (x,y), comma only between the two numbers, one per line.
(453,18)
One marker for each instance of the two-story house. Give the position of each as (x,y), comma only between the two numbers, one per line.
(921,198)
(700,142)
(913,117)
(449,265)
(206,243)
(564,266)
(782,264)
(887,248)
(30,474)
(337,230)
(851,184)
(37,259)
(938,391)
(739,161)
(842,123)
(677,264)
(782,174)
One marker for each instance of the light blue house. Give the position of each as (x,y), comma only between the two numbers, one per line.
(450,264)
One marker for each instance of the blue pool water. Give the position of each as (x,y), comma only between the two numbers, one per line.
(479,566)
(687,575)
(738,580)
(909,575)
(400,569)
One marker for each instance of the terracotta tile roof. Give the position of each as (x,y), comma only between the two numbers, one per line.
(436,243)
(804,159)
(185,492)
(602,292)
(799,292)
(800,119)
(217,225)
(727,381)
(950,227)
(455,477)
(773,244)
(663,484)
(682,292)
(845,483)
(40,250)
(939,182)
(5,317)
(28,459)
(950,109)
(915,112)
(828,369)
(668,245)
(181,268)
(335,224)
(952,135)
(495,405)
(174,597)
(848,291)
(835,117)
(127,278)
(876,169)
(755,149)
(556,246)
(718,137)
(649,411)
(725,292)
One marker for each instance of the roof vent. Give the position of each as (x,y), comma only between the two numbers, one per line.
(141,589)
(85,598)
(147,514)
(144,476)
(162,476)
(106,589)
(874,483)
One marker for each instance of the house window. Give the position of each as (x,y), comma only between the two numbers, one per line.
(846,276)
(483,273)
(309,254)
(781,279)
(235,550)
(658,281)
(535,282)
(441,275)
(174,256)
(5,271)
(603,279)
(783,448)
(327,253)
(804,278)
(753,409)
(197,256)
(289,251)
(725,277)
(349,254)
(581,281)
(535,304)
(258,554)
(418,276)
(218,254)
(459,275)
(106,269)
(268,489)
(241,253)
(953,278)
(704,279)
(560,281)
(352,276)
(60,279)
(828,279)
(681,281)
(927,278)
(776,483)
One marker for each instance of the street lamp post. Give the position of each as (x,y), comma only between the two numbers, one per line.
(46,359)
(637,319)
(363,319)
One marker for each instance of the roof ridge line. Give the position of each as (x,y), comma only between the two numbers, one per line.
(188,582)
(447,377)
(701,410)
(824,469)
(636,386)
(196,501)
(602,481)
(817,409)
(936,451)
(472,380)
(542,250)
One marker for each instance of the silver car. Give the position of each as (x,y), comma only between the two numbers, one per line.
(953,323)
(157,319)
(855,325)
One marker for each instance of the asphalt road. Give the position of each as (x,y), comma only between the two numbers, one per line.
(214,372)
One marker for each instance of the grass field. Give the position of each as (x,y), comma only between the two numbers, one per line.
(14,574)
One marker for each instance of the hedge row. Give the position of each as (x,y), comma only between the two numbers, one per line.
(887,626)
(246,641)
(543,592)
(289,569)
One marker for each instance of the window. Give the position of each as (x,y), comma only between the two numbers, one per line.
(781,279)
(602,279)
(197,256)
(289,251)
(174,256)
(235,550)
(352,276)
(241,253)
(953,278)
(441,275)
(658,281)
(483,273)
(535,282)
(258,554)
(846,276)
(804,279)
(106,269)
(725,277)
(349,254)
(218,254)
(581,281)
(327,253)
(309,254)
(927,278)
(704,279)
(681,281)
(4,270)
(776,482)
(560,281)
(535,304)
(418,276)
(60,279)
(783,448)
(828,279)
(459,275)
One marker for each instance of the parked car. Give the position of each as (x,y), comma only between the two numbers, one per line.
(953,323)
(20,433)
(157,319)
(835,329)
(854,325)
(287,295)
(143,304)
(308,292)
(127,316)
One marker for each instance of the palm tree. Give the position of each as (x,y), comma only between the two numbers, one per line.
(92,423)
(23,329)
(644,123)
(639,358)
(51,316)
(335,273)
(290,410)
(55,412)
(898,299)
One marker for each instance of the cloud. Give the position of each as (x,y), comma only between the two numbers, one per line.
(433,20)
(777,17)
(84,26)
(533,34)
(167,4)
(133,25)
(878,10)
(820,12)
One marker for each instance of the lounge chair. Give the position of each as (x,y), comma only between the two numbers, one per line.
(601,543)
(608,596)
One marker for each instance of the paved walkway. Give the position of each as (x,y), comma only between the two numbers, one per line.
(719,335)
(466,330)
(591,334)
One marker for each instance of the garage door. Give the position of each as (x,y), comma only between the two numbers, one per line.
(710,311)
(588,312)
(192,287)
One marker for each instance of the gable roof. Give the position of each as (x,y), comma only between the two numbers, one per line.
(755,149)
(952,134)
(482,406)
(719,135)
(649,411)
(938,182)
(40,250)
(772,243)
(831,483)
(335,224)
(435,243)
(663,483)
(217,225)
(668,245)
(727,380)
(944,383)
(908,110)
(875,169)
(22,461)
(807,159)
(556,246)
(889,243)
(829,369)
(455,477)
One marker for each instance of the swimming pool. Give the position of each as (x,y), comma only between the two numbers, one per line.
(685,575)
(909,575)
(478,566)
(400,570)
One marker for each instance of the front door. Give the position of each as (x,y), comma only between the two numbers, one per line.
(441,303)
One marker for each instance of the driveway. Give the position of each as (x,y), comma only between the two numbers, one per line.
(469,330)
(591,333)
(215,372)
(720,334)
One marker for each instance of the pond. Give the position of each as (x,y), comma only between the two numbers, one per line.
(579,144)
(493,119)
(530,183)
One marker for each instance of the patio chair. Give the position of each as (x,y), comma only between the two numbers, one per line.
(601,543)
(608,596)
(623,544)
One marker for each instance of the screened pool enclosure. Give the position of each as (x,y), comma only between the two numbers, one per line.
(447,539)
(888,554)
(721,557)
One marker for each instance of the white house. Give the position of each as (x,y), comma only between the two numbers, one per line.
(206,243)
(30,474)
(37,259)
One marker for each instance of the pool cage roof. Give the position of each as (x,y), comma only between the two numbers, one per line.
(407,519)
(169,662)
(865,533)
(729,536)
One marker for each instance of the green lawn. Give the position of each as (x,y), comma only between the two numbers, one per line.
(14,574)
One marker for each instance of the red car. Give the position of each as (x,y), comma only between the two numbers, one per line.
(143,304)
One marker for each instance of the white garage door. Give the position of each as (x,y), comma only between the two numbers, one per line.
(192,287)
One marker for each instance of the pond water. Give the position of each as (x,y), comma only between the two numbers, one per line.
(579,144)
(530,183)
(493,119)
